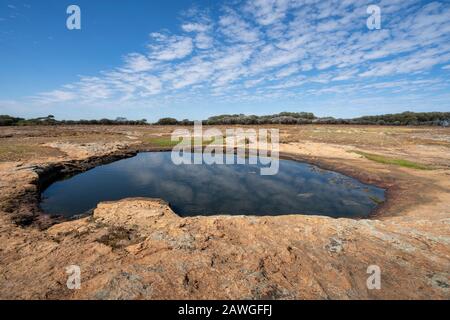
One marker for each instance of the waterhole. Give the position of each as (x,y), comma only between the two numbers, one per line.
(193,190)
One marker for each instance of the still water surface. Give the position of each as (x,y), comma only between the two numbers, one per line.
(298,188)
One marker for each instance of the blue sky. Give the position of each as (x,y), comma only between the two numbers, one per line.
(194,59)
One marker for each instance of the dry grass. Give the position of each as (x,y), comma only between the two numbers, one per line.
(166,142)
(368,136)
(17,152)
(430,146)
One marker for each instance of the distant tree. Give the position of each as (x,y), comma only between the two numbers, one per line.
(186,122)
(105,121)
(6,120)
(167,121)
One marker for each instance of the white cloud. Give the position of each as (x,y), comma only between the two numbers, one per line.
(270,56)
(237,29)
(168,48)
(136,62)
(55,96)
(203,39)
(267,12)
(190,73)
(346,75)
(285,72)
(195,27)
(232,57)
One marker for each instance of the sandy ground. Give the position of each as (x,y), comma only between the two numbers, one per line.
(140,249)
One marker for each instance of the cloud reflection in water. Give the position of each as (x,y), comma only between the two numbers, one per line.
(298,188)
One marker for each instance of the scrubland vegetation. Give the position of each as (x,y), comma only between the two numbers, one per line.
(399,119)
(406,118)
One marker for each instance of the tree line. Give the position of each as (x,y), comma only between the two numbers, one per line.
(398,119)
(50,120)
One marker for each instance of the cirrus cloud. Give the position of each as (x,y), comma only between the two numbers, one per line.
(267,49)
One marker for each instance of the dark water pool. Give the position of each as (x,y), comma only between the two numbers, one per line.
(298,188)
